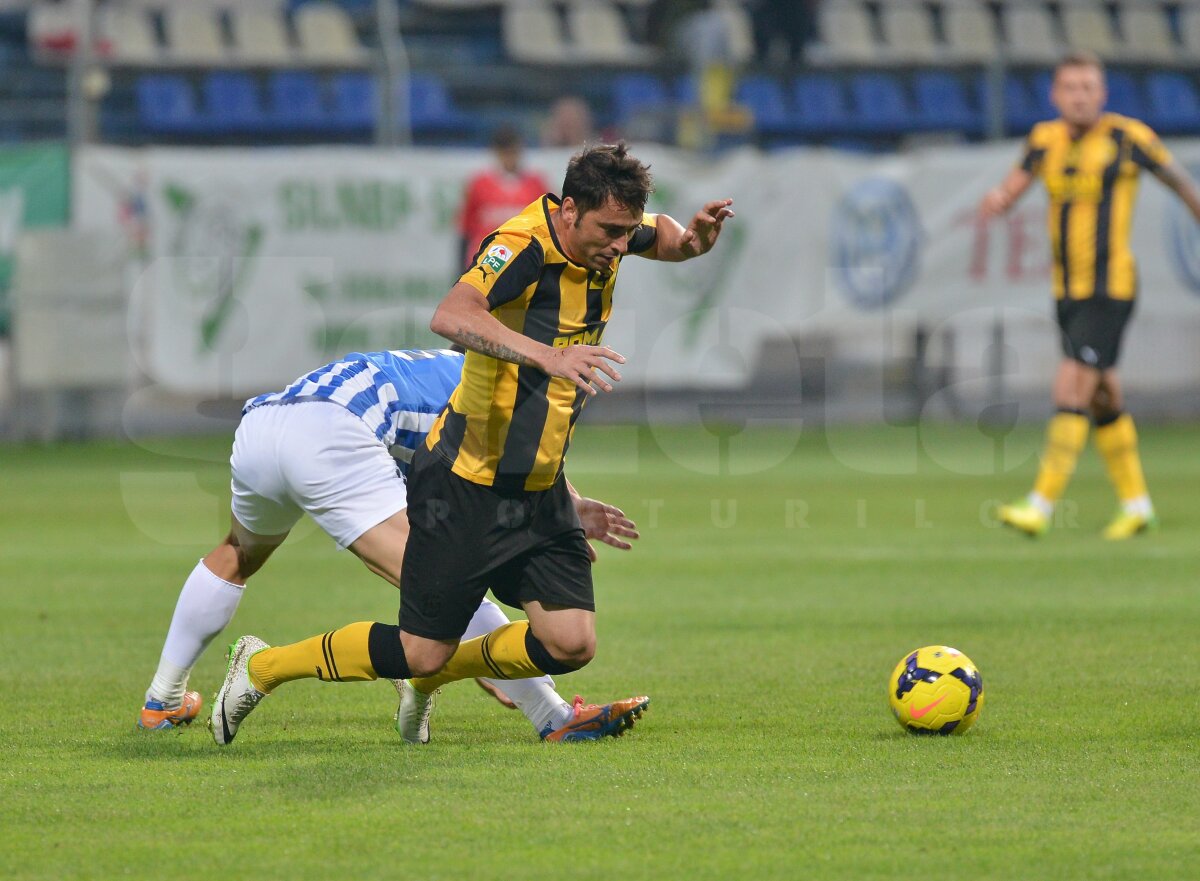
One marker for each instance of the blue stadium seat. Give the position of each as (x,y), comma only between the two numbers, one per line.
(764,97)
(942,104)
(1025,104)
(232,103)
(636,93)
(1174,103)
(881,105)
(1124,96)
(430,107)
(354,100)
(166,105)
(296,101)
(822,108)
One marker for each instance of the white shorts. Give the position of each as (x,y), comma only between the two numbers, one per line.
(312,457)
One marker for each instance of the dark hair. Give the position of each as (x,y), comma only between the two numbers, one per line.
(1080,58)
(596,173)
(505,137)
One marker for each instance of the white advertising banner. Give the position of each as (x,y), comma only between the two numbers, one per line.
(251,266)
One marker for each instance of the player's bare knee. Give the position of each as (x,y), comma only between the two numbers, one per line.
(427,660)
(575,652)
(421,667)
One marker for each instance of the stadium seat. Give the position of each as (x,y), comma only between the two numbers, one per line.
(455,5)
(193,34)
(908,29)
(687,90)
(822,108)
(1089,26)
(1124,96)
(1031,34)
(970,30)
(846,34)
(166,105)
(942,104)
(259,35)
(739,30)
(880,104)
(1025,104)
(354,102)
(1147,31)
(126,34)
(598,33)
(1189,32)
(1174,104)
(296,101)
(532,33)
(231,103)
(325,36)
(635,94)
(430,107)
(764,97)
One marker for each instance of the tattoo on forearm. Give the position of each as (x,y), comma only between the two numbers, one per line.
(479,343)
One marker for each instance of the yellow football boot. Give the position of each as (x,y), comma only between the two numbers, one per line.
(1126,525)
(1024,517)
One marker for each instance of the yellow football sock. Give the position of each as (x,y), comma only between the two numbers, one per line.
(337,656)
(500,654)
(1066,436)
(1118,444)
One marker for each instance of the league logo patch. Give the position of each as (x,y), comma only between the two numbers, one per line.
(496,258)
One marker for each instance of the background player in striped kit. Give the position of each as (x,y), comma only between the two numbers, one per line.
(1090,162)
(345,465)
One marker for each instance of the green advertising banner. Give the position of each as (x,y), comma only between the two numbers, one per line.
(34,192)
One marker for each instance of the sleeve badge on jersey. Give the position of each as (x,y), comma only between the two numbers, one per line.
(497,257)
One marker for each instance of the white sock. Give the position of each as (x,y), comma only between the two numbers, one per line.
(536,698)
(1139,507)
(205,607)
(1042,503)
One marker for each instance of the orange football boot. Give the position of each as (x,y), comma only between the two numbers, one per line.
(592,721)
(156,717)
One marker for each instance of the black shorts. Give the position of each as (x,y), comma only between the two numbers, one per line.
(1092,329)
(465,538)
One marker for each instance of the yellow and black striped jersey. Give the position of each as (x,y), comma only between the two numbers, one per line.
(507,425)
(1092,182)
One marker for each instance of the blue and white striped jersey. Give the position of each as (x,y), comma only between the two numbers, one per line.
(397,394)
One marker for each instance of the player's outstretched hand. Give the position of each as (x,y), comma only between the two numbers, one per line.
(702,232)
(606,523)
(584,365)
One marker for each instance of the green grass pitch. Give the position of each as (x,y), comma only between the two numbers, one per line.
(779,578)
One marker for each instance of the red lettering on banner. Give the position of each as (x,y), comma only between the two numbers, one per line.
(1026,254)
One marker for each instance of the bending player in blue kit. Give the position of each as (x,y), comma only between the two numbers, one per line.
(336,444)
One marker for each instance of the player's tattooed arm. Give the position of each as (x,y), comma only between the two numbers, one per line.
(1175,177)
(463,317)
(477,342)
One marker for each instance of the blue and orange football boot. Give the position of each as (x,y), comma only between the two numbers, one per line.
(156,717)
(592,721)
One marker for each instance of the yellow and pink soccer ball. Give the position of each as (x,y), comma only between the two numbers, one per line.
(936,690)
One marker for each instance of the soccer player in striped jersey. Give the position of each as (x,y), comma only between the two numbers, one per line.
(1090,162)
(490,507)
(346,466)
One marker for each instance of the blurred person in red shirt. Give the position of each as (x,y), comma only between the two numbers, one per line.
(495,195)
